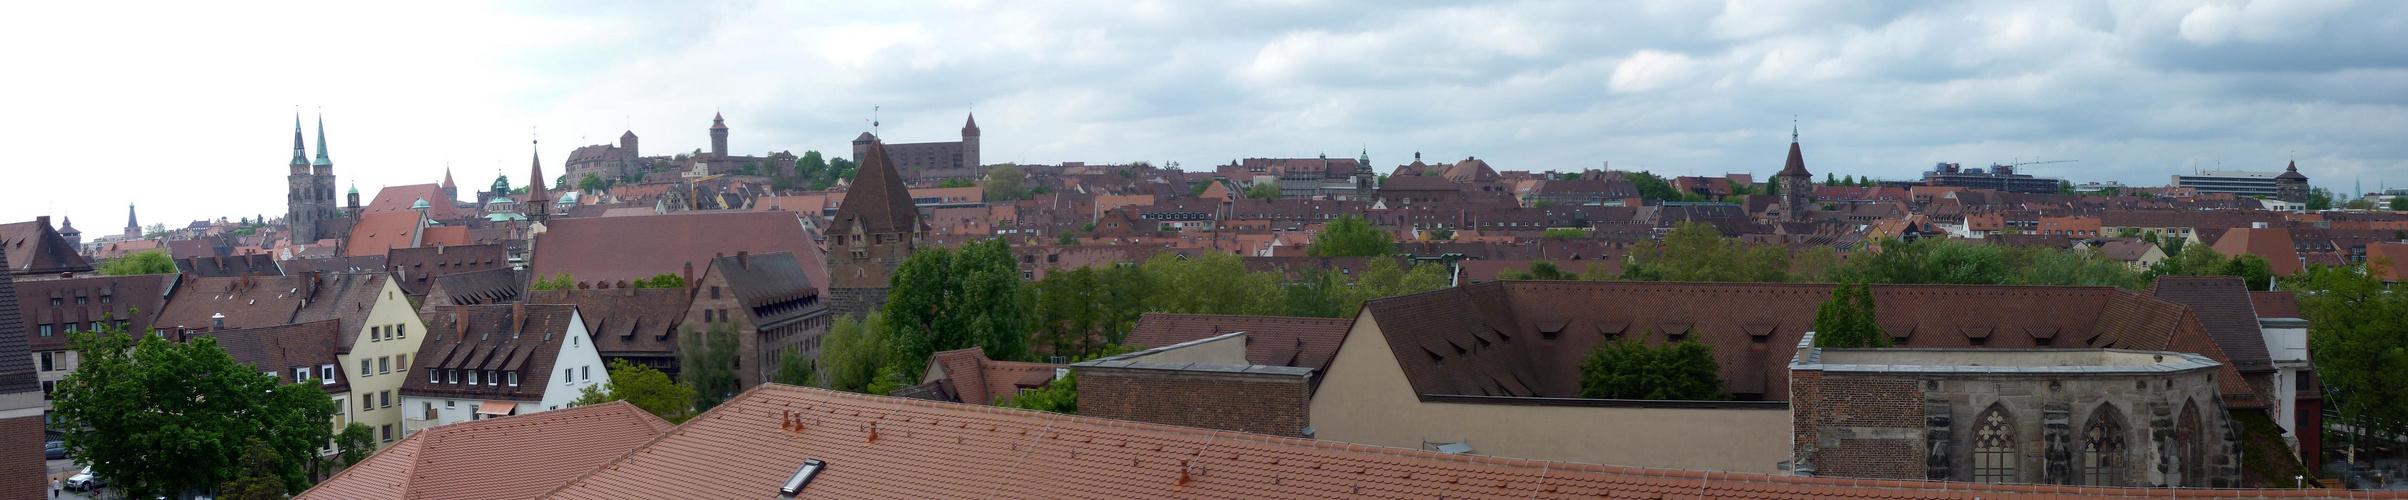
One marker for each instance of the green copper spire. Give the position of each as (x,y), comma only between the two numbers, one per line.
(322,161)
(299,152)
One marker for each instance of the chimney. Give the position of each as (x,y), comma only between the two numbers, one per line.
(744,259)
(217,322)
(690,285)
(42,220)
(518,317)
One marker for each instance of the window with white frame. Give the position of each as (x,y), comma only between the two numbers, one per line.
(366,368)
(326,373)
(472,377)
(492,379)
(300,374)
(514,379)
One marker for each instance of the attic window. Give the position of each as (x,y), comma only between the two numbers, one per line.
(801,478)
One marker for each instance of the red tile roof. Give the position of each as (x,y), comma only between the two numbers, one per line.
(978,380)
(638,247)
(36,248)
(883,447)
(511,457)
(879,201)
(2274,245)
(379,233)
(398,199)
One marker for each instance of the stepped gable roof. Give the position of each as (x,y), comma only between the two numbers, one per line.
(2223,306)
(1270,340)
(258,264)
(457,461)
(887,447)
(878,200)
(35,248)
(1795,166)
(515,337)
(1490,339)
(625,320)
(282,348)
(637,247)
(16,362)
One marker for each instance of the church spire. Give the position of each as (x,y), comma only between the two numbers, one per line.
(300,152)
(322,161)
(539,201)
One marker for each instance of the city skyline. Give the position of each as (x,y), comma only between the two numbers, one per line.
(2137,92)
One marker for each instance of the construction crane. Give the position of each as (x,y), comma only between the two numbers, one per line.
(2022,163)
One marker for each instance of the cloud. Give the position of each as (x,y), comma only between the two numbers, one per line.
(189,103)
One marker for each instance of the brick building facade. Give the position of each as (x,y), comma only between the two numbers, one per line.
(1206,383)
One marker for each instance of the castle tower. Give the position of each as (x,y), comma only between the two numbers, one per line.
(354,197)
(539,200)
(871,234)
(301,209)
(861,147)
(970,143)
(1797,185)
(2291,186)
(718,137)
(133,229)
(627,142)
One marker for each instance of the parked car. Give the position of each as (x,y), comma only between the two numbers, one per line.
(83,480)
(54,450)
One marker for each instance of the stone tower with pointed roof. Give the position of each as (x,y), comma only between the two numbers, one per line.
(309,187)
(970,142)
(2291,186)
(133,228)
(718,137)
(539,200)
(1797,185)
(875,229)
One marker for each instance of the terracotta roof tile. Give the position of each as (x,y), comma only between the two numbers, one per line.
(2223,306)
(1270,340)
(638,247)
(883,447)
(35,248)
(625,321)
(283,348)
(492,337)
(518,456)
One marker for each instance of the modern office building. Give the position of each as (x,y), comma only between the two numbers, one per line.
(2243,183)
(1999,177)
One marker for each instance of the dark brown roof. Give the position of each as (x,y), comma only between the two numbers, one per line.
(258,264)
(366,263)
(1492,339)
(136,299)
(517,337)
(884,447)
(878,200)
(625,321)
(1270,340)
(2275,304)
(2223,305)
(1795,166)
(2291,172)
(283,348)
(637,247)
(467,460)
(397,199)
(348,297)
(489,286)
(772,287)
(967,376)
(35,248)
(16,362)
(417,267)
(246,301)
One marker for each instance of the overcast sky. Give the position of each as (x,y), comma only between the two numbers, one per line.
(186,108)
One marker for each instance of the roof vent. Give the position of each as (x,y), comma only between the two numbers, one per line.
(802,478)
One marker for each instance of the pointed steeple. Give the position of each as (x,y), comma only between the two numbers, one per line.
(877,200)
(322,161)
(539,200)
(447,180)
(300,152)
(970,128)
(1796,166)
(129,217)
(718,122)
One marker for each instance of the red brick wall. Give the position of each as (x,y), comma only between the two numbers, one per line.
(1820,403)
(1261,404)
(22,473)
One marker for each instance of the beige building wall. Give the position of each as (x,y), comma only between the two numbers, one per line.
(366,403)
(1365,398)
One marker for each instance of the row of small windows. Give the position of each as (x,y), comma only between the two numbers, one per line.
(47,330)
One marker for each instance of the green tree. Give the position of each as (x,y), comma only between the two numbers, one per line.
(143,262)
(1698,252)
(256,477)
(707,364)
(1263,191)
(1067,311)
(2359,325)
(1066,239)
(1005,183)
(159,417)
(2320,199)
(795,369)
(592,183)
(1652,187)
(1683,371)
(357,442)
(1563,233)
(2359,204)
(852,353)
(943,299)
(811,165)
(2252,269)
(662,280)
(560,281)
(956,183)
(1211,283)
(2399,204)
(155,230)
(643,387)
(1441,234)
(1847,319)
(1541,270)
(1351,236)
(1059,396)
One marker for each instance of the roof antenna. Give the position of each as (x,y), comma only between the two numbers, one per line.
(873,121)
(1793,128)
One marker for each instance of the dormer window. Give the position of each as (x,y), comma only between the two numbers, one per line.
(514,379)
(326,374)
(300,374)
(492,379)
(472,377)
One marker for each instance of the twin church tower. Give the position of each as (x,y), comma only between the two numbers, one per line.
(310,187)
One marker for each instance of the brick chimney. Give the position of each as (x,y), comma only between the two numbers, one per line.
(744,259)
(690,285)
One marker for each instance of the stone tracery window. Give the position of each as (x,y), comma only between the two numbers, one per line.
(2103,448)
(2188,448)
(1994,447)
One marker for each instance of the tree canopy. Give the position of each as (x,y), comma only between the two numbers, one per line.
(707,364)
(643,387)
(1696,251)
(1847,320)
(2358,325)
(1006,183)
(1683,371)
(1351,236)
(143,262)
(944,299)
(160,417)
(1263,191)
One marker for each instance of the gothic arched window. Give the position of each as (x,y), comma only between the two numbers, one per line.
(2189,448)
(2103,448)
(1994,446)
